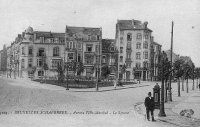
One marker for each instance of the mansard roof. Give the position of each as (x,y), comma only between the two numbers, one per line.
(132,25)
(49,34)
(83,30)
(155,43)
(107,44)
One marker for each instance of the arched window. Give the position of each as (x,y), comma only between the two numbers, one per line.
(56,51)
(104,59)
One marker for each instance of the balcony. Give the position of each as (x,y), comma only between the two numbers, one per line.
(41,55)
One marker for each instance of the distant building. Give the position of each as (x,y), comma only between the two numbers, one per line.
(133,40)
(174,56)
(38,53)
(3,59)
(155,59)
(110,56)
(84,44)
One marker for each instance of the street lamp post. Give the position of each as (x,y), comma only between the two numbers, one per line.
(162,108)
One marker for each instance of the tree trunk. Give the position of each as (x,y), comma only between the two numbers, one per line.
(179,87)
(187,86)
(197,83)
(166,87)
(182,84)
(193,84)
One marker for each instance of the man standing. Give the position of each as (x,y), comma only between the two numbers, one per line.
(199,86)
(149,104)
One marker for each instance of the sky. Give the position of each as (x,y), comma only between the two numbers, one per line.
(54,15)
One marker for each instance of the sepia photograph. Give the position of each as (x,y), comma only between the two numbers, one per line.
(99,63)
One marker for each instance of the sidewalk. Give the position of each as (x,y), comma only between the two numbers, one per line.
(172,109)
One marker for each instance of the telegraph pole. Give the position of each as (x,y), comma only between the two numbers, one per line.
(170,77)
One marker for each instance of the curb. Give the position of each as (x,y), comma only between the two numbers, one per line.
(138,110)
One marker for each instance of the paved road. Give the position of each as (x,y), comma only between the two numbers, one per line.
(82,108)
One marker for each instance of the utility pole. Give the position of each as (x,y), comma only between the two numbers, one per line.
(162,107)
(170,77)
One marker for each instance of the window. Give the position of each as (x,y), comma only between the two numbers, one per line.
(97,47)
(121,58)
(138,45)
(129,37)
(145,45)
(97,59)
(146,55)
(30,50)
(121,40)
(104,59)
(41,39)
(89,47)
(39,62)
(30,61)
(145,64)
(70,44)
(128,55)
(79,57)
(55,63)
(98,37)
(56,51)
(128,65)
(71,56)
(89,59)
(146,36)
(138,65)
(121,49)
(139,36)
(129,45)
(41,52)
(89,37)
(23,51)
(56,40)
(22,63)
(138,55)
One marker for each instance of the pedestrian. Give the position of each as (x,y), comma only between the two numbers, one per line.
(115,83)
(150,105)
(199,86)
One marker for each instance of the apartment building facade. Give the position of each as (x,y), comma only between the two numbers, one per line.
(133,40)
(84,44)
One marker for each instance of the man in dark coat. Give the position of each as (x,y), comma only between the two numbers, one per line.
(199,86)
(149,104)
